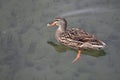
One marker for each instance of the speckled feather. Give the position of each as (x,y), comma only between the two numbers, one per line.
(76,37)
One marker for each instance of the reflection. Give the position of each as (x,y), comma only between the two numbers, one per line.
(61,48)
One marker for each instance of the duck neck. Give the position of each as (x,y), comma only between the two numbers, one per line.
(61,28)
(59,31)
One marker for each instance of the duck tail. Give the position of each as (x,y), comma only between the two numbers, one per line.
(103,44)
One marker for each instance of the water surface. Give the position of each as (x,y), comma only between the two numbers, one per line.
(29,51)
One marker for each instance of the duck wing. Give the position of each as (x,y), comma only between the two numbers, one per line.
(76,37)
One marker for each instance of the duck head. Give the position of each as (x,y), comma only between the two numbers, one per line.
(60,22)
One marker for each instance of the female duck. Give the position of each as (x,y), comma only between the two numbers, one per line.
(75,37)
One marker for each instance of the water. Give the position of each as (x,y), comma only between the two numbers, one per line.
(29,51)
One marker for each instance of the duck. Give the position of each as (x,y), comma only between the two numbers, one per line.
(75,38)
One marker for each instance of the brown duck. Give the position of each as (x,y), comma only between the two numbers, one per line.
(75,38)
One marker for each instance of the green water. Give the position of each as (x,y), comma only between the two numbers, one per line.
(29,51)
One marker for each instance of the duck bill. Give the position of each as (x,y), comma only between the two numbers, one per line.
(51,24)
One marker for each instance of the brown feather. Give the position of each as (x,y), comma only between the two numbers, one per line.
(75,37)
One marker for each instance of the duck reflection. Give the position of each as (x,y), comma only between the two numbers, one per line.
(61,48)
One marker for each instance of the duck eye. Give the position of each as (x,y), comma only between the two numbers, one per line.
(57,20)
